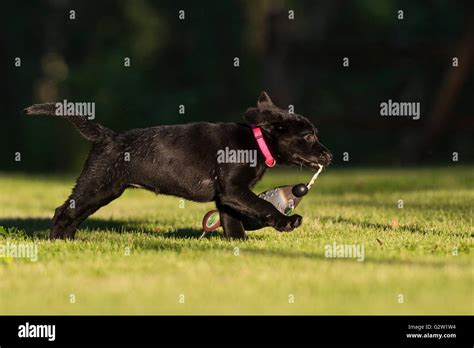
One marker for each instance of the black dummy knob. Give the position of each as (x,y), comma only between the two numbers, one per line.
(299,190)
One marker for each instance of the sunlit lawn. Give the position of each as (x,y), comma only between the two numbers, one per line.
(422,251)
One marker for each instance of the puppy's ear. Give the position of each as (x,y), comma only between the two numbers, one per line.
(264,101)
(264,114)
(262,119)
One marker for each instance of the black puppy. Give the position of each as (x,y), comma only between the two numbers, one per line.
(180,160)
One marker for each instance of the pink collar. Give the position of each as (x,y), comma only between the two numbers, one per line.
(257,133)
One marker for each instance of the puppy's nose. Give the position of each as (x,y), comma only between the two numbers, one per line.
(329,157)
(326,158)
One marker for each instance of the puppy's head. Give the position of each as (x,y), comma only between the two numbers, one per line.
(293,136)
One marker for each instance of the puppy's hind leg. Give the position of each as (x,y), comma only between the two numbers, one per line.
(230,222)
(86,198)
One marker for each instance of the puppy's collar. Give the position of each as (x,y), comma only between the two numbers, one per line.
(257,133)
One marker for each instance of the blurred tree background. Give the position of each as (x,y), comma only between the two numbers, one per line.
(191,62)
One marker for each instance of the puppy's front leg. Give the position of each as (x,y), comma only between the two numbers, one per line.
(230,222)
(248,203)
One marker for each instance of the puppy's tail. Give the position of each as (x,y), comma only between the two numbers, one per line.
(90,130)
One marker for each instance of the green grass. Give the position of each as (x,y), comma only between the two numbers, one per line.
(408,251)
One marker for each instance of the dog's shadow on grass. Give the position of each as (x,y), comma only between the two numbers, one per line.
(39,228)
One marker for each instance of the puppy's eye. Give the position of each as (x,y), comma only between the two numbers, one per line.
(310,138)
(280,128)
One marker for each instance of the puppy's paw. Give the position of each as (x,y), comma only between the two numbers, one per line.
(289,223)
(236,235)
(296,220)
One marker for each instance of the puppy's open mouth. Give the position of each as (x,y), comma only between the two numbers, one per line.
(306,162)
